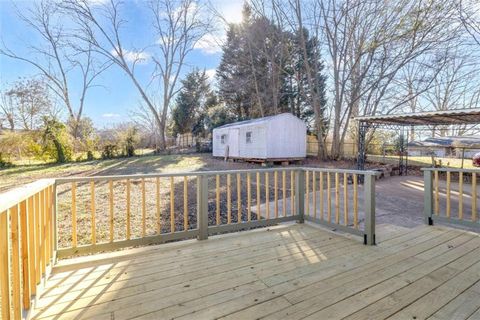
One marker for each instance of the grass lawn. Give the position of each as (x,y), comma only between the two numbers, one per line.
(423,161)
(20,175)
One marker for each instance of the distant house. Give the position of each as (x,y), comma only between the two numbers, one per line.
(446,146)
(279,137)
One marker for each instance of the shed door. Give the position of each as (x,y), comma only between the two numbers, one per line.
(233,143)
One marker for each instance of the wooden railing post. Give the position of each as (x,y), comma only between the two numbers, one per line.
(369,235)
(5,271)
(202,207)
(54,217)
(300,195)
(428,196)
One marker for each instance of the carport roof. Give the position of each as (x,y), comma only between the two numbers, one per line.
(449,117)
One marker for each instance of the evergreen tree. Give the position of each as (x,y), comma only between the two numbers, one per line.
(195,97)
(262,71)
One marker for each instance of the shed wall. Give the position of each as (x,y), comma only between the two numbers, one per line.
(279,137)
(286,138)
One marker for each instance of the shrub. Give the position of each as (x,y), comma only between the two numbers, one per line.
(90,155)
(109,151)
(56,141)
(128,139)
(4,163)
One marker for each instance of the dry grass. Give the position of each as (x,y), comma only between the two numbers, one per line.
(424,161)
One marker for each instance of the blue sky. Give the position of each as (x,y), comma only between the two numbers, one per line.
(113,101)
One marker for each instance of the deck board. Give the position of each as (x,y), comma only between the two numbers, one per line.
(292,271)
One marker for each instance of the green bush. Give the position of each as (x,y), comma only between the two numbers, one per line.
(56,141)
(109,151)
(4,163)
(90,155)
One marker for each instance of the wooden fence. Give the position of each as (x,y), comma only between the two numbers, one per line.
(76,215)
(27,245)
(451,196)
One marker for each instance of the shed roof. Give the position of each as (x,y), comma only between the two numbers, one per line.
(449,117)
(454,141)
(256,121)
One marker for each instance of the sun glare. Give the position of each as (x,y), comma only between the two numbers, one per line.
(232,11)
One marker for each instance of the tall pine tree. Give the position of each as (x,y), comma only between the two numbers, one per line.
(262,71)
(192,103)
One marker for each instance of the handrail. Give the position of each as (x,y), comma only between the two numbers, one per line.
(12,197)
(443,169)
(27,245)
(453,202)
(207,173)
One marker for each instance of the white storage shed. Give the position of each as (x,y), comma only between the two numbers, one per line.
(279,137)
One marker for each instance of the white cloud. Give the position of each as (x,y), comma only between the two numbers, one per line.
(134,56)
(110,115)
(209,44)
(97,2)
(211,74)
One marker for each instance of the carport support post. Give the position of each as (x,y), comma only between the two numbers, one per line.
(202,207)
(300,195)
(428,196)
(369,236)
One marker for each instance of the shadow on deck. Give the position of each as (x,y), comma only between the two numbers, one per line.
(292,271)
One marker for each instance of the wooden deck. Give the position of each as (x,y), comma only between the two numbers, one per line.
(286,272)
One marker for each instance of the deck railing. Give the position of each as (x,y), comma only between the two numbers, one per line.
(27,245)
(76,215)
(334,200)
(451,196)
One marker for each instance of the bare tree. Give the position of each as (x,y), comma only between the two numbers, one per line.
(369,43)
(57,58)
(177,27)
(29,102)
(7,110)
(457,86)
(469,13)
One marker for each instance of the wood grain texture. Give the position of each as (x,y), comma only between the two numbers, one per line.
(284,193)
(217,199)
(74,214)
(355,201)
(437,193)
(474,197)
(172,204)
(16,269)
(449,206)
(93,213)
(267,196)
(185,203)
(5,272)
(296,272)
(229,199)
(111,207)
(249,197)
(158,206)
(127,226)
(239,197)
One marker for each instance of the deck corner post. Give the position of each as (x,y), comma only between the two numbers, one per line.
(300,195)
(369,236)
(202,207)
(428,197)
(55,214)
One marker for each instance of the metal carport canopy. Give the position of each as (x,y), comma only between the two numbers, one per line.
(433,118)
(397,121)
